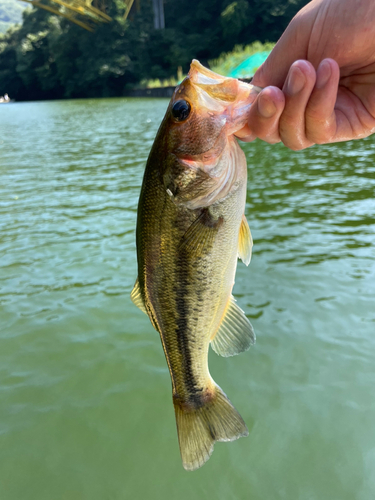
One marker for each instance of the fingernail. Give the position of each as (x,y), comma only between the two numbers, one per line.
(323,74)
(296,81)
(266,107)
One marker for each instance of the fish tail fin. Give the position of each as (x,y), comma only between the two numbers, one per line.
(199,426)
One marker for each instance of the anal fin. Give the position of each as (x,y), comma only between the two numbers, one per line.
(136,297)
(235,333)
(245,242)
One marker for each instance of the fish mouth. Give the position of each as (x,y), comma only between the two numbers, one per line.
(199,74)
(222,87)
(225,96)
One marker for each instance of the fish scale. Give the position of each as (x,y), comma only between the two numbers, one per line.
(190,230)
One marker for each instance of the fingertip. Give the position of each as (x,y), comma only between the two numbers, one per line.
(332,62)
(270,102)
(304,65)
(245,134)
(328,69)
(323,74)
(321,126)
(264,115)
(301,75)
(298,87)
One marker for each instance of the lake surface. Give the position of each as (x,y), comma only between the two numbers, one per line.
(85,396)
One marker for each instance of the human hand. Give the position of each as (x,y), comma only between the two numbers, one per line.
(325,65)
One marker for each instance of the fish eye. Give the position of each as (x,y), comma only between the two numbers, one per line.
(181,110)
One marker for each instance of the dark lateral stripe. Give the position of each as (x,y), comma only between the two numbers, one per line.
(182,330)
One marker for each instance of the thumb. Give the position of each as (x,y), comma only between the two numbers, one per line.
(292,45)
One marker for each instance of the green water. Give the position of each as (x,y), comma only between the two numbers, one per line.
(85,395)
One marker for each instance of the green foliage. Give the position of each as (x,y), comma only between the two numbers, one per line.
(49,57)
(156,83)
(234,18)
(229,60)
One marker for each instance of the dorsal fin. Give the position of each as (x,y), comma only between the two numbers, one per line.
(235,333)
(245,242)
(137,297)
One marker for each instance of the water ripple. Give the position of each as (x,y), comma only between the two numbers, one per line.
(84,388)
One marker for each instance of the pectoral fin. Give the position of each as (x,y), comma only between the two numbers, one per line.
(235,333)
(200,237)
(136,297)
(245,242)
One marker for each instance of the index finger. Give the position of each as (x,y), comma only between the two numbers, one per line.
(264,116)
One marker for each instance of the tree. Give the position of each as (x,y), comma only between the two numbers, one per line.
(48,57)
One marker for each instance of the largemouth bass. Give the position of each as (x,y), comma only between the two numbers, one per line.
(190,230)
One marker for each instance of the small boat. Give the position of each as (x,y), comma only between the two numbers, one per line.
(5,99)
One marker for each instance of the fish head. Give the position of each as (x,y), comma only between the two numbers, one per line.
(205,111)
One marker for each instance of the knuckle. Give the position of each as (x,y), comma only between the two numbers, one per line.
(292,137)
(320,140)
(320,133)
(295,147)
(315,114)
(270,140)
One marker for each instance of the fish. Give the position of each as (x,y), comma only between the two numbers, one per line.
(190,231)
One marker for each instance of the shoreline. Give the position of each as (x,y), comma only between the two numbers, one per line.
(155,92)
